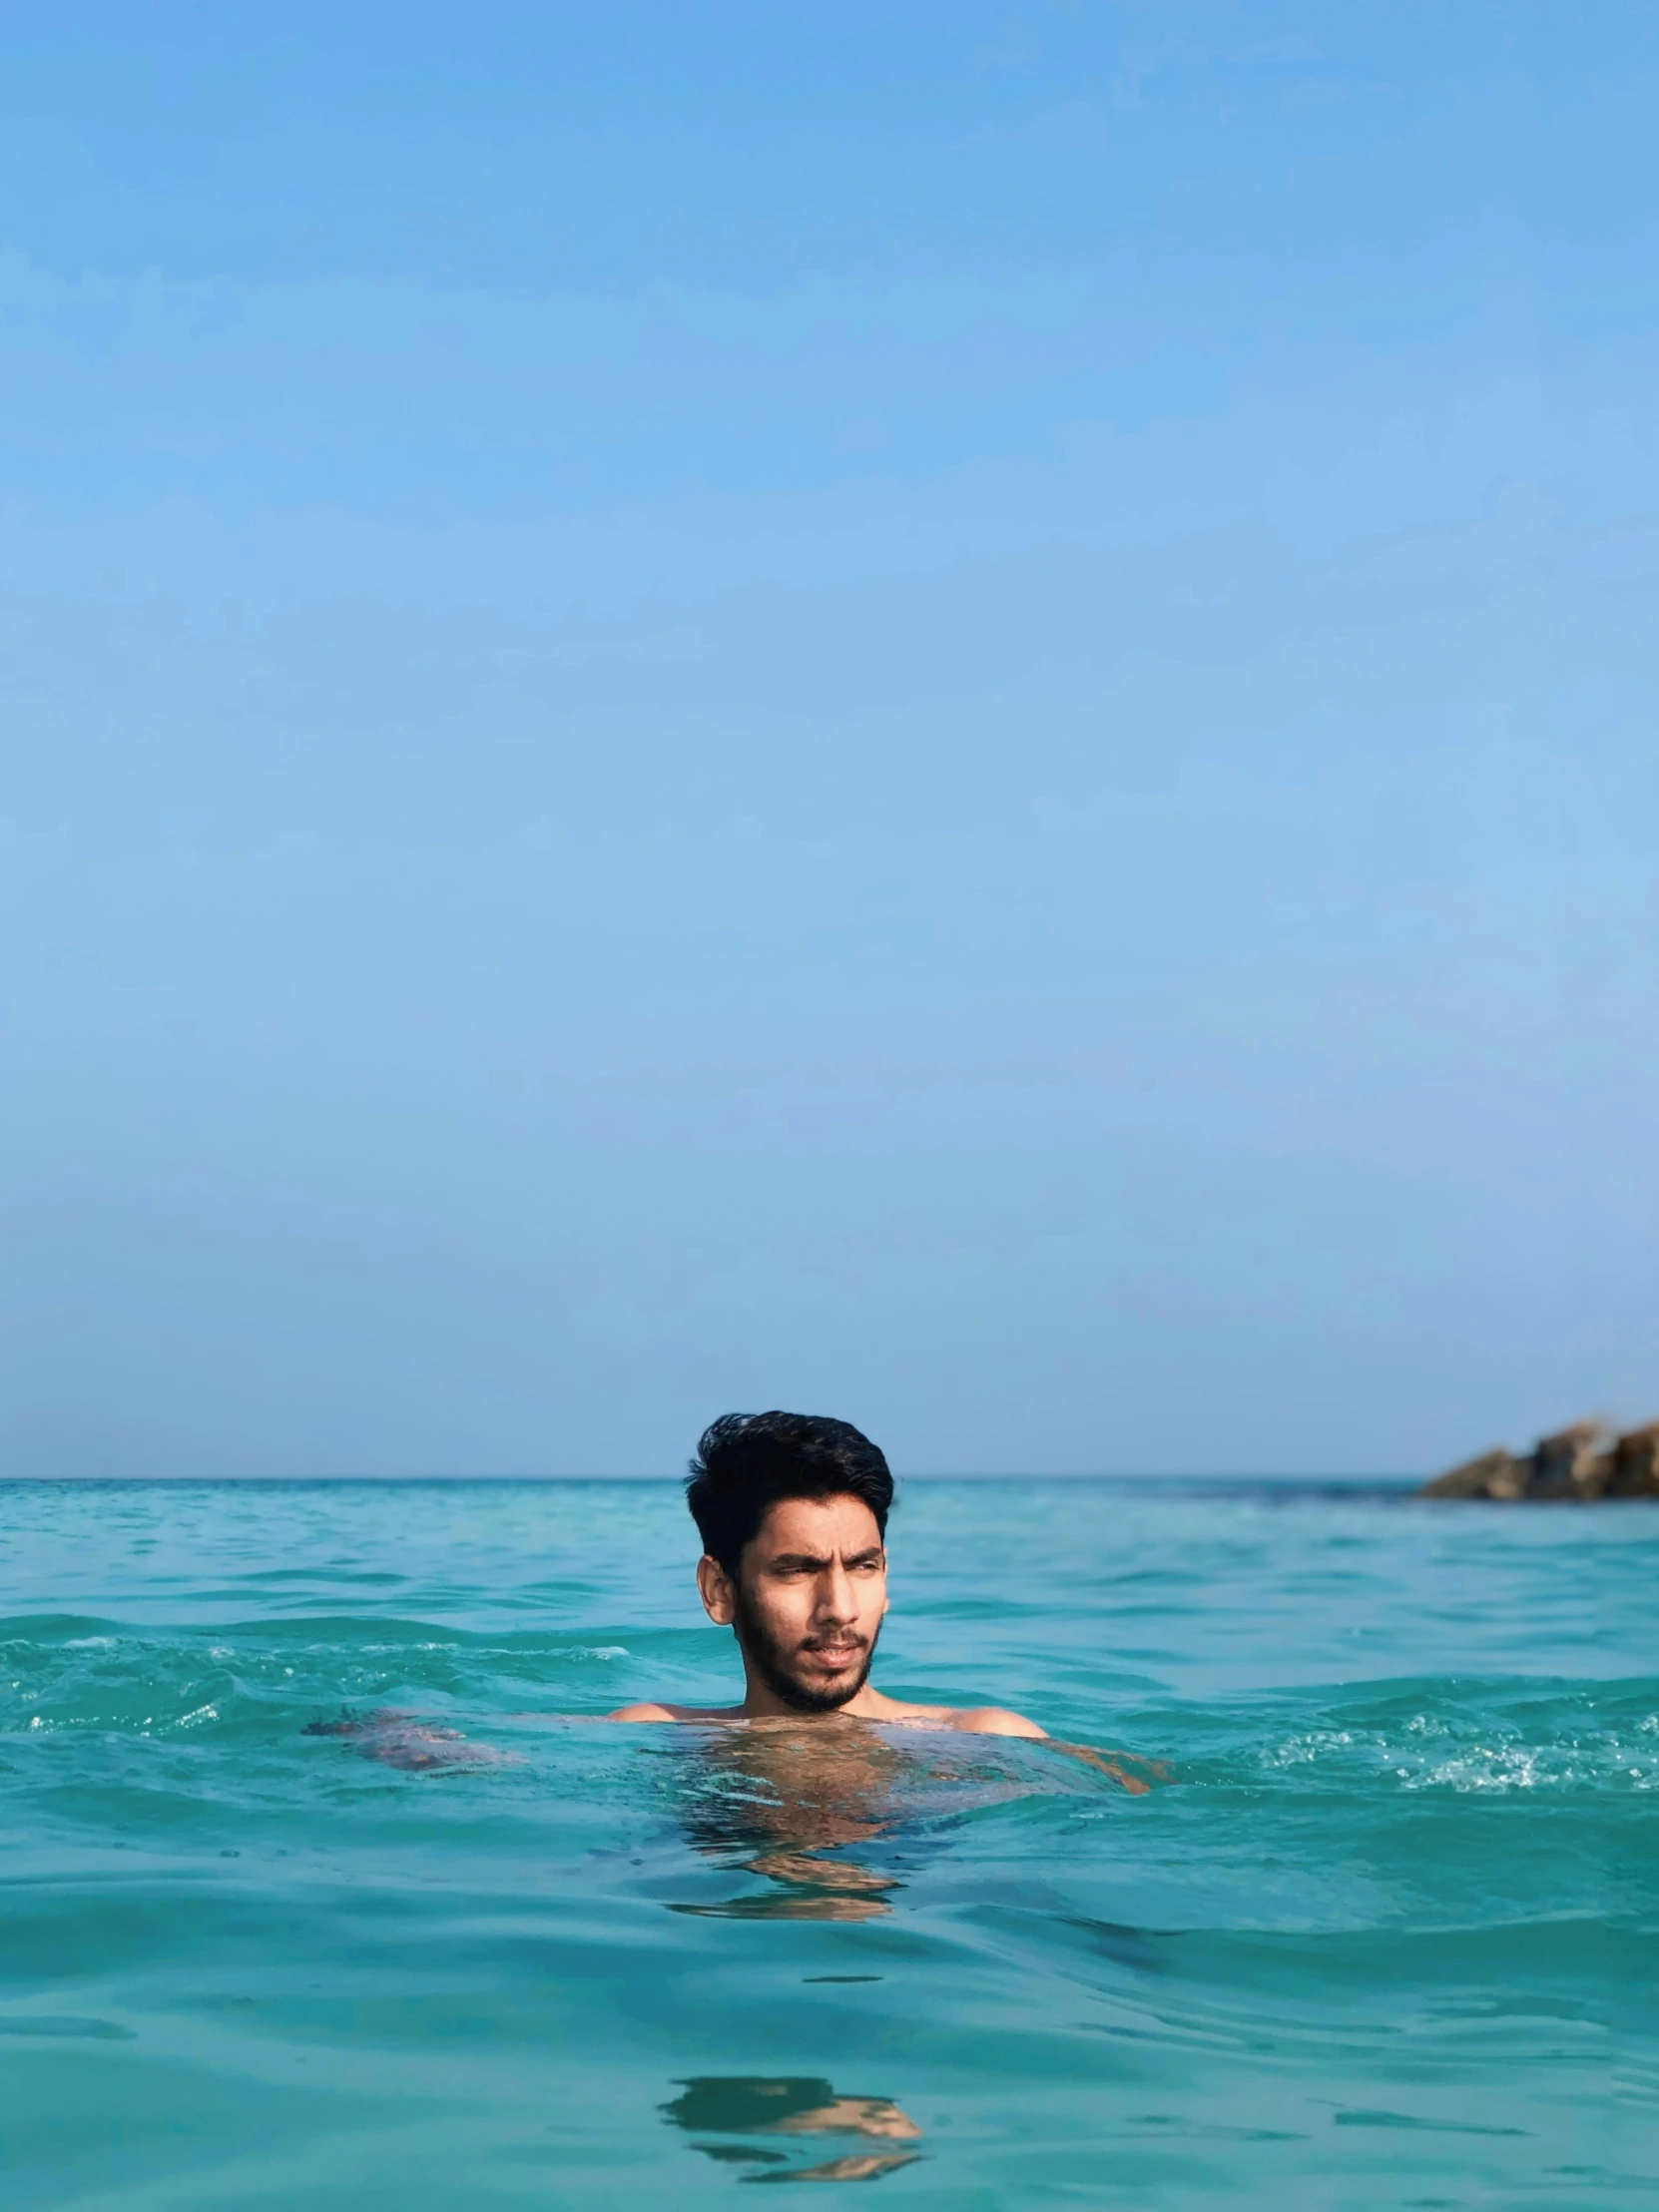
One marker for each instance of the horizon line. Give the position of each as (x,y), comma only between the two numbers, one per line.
(1388,1477)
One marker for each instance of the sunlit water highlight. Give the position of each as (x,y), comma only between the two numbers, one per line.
(1389,1937)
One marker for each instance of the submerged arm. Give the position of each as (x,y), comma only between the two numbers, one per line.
(404,1740)
(996,1720)
(1107,1762)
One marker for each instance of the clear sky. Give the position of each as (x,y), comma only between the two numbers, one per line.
(939,711)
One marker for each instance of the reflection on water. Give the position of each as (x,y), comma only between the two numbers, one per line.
(791,2105)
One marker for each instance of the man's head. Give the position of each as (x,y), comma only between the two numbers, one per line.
(793,1510)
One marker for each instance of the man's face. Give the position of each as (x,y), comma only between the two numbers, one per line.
(807,1606)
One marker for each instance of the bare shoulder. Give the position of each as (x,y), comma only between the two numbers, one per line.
(994,1720)
(972,1719)
(651,1711)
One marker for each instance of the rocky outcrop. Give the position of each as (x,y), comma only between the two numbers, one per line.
(1635,1468)
(1577,1464)
(1497,1473)
(1569,1465)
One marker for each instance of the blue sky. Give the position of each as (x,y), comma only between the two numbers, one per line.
(940,713)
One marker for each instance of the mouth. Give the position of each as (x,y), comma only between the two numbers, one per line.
(834,1658)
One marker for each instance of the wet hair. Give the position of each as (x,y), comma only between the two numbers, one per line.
(745,1462)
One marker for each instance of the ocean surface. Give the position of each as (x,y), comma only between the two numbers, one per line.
(324,1887)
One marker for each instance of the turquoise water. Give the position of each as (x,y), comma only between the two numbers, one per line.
(1387,1937)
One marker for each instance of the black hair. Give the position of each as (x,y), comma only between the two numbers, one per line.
(745,1462)
(723,2104)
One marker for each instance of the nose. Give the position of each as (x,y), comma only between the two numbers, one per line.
(837,1607)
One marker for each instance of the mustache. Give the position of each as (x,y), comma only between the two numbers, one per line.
(836,1638)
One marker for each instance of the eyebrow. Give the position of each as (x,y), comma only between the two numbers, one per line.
(809,1559)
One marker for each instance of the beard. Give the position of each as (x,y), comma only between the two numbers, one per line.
(771,1660)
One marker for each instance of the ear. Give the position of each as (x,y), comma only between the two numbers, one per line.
(714,1587)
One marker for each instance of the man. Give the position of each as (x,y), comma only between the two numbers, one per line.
(793,1512)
